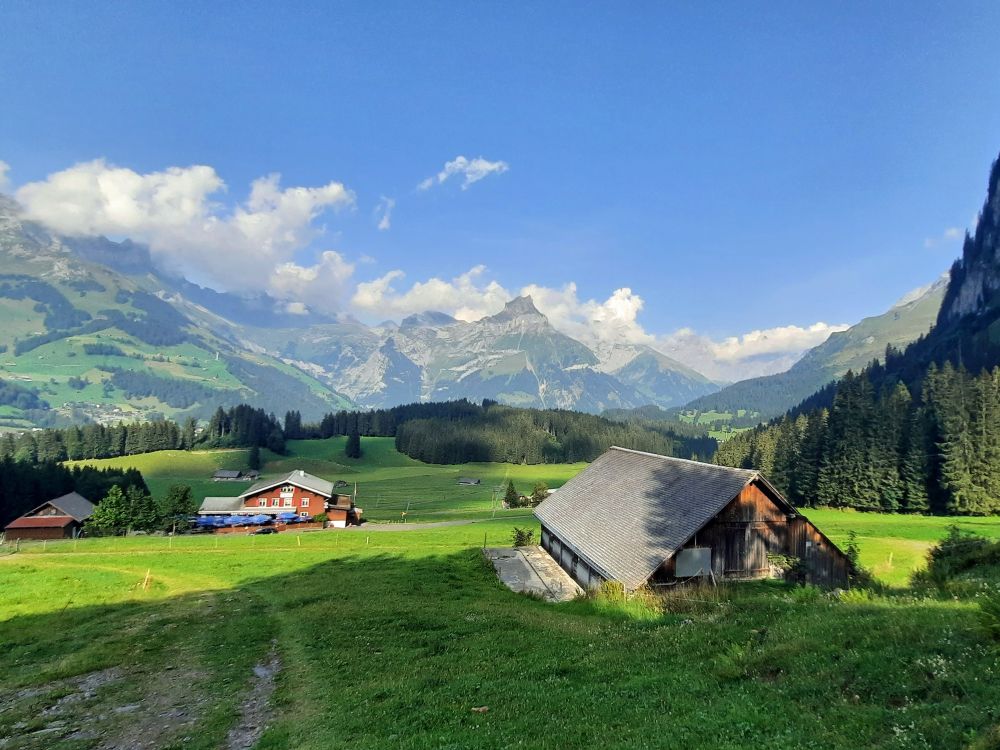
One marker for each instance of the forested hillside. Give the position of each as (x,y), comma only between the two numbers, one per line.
(881,447)
(462,431)
(919,432)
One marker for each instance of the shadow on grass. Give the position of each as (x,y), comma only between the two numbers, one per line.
(387,650)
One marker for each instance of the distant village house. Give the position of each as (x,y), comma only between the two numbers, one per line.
(640,518)
(234,475)
(61,518)
(298,492)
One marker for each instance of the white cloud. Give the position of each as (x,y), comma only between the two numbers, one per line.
(473,170)
(947,237)
(173,212)
(465,297)
(748,355)
(4,169)
(322,286)
(383,211)
(614,320)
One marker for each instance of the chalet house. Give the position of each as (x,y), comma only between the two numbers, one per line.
(234,475)
(640,518)
(61,518)
(297,492)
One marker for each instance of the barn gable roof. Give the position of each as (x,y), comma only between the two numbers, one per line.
(41,522)
(299,478)
(72,504)
(629,511)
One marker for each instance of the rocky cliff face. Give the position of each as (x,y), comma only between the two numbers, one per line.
(975,278)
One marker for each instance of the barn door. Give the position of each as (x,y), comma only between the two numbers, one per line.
(736,547)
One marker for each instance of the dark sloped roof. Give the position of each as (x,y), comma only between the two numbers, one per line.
(73,505)
(629,511)
(299,478)
(220,504)
(227,474)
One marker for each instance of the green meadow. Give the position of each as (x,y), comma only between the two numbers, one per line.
(390,484)
(393,638)
(404,638)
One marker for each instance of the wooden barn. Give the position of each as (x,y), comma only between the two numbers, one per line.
(640,518)
(61,518)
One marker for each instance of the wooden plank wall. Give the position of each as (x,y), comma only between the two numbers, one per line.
(753,526)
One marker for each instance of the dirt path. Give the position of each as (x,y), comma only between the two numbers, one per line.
(256,705)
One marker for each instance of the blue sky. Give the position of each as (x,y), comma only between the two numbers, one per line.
(738,166)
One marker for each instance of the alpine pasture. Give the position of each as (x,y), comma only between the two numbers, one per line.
(403,638)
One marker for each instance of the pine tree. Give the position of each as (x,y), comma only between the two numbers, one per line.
(888,446)
(810,456)
(916,471)
(143,515)
(176,506)
(353,446)
(786,457)
(253,458)
(510,497)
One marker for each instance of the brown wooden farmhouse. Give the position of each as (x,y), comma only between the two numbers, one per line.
(642,518)
(61,518)
(297,492)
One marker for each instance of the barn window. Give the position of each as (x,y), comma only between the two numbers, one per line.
(305,502)
(287,502)
(274,502)
(304,515)
(288,488)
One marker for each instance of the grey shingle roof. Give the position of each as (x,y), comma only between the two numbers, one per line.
(220,504)
(629,511)
(227,474)
(74,505)
(299,478)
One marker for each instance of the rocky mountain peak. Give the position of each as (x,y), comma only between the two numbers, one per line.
(518,307)
(975,278)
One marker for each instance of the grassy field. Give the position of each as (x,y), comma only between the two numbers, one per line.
(391,638)
(389,483)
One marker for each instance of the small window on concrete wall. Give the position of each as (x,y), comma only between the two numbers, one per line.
(693,562)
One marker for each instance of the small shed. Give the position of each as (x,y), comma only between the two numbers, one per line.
(641,518)
(61,518)
(226,475)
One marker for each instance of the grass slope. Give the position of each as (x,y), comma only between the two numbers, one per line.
(389,483)
(391,639)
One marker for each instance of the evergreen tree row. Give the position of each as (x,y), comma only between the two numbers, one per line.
(504,433)
(880,446)
(238,427)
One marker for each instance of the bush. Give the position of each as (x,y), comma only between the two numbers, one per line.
(959,552)
(793,569)
(320,518)
(989,615)
(522,537)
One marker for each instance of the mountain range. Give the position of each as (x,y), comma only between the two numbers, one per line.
(91,328)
